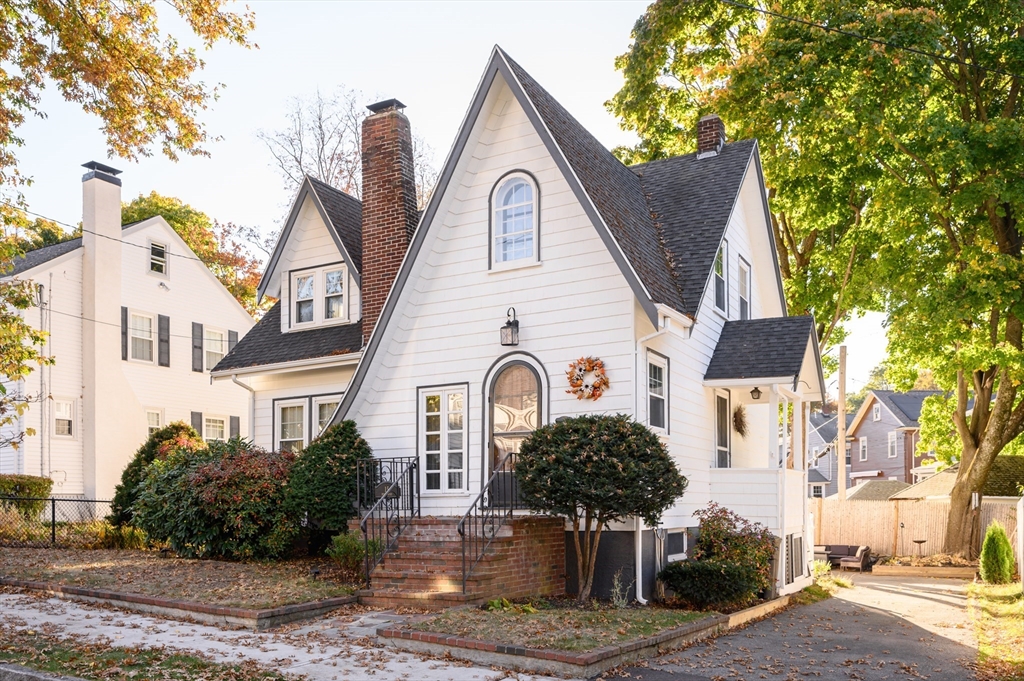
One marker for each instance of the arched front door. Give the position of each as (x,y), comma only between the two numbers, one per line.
(515,407)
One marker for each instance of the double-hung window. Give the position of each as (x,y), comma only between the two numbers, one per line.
(892,445)
(157,258)
(154,420)
(744,269)
(214,429)
(442,425)
(657,392)
(324,408)
(334,294)
(817,492)
(215,344)
(291,426)
(721,278)
(305,295)
(63,418)
(848,448)
(863,449)
(814,456)
(876,412)
(723,424)
(140,329)
(514,227)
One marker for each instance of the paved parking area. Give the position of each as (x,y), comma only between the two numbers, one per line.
(884,628)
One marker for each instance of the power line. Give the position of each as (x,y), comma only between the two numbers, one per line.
(877,41)
(96,321)
(112,238)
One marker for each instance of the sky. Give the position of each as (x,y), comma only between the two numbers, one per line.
(429,55)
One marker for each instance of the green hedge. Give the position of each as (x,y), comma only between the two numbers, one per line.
(32,486)
(711,583)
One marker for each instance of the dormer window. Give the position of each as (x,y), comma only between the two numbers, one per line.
(318,296)
(157,258)
(514,222)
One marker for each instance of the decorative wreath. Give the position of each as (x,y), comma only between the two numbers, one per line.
(587,378)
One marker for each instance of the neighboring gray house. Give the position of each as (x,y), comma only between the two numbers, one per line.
(884,436)
(822,471)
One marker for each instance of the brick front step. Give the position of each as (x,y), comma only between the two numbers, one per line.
(424,600)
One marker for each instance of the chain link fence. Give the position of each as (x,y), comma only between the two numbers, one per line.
(53,522)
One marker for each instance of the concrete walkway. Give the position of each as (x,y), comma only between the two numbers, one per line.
(883,628)
(334,648)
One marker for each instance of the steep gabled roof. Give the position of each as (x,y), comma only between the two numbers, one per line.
(906,407)
(341,213)
(264,344)
(773,347)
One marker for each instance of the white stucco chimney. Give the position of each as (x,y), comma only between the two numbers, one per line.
(106,394)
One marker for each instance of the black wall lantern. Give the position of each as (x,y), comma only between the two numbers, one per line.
(755,394)
(510,331)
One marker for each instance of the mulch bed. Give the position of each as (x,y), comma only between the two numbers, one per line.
(934,560)
(213,582)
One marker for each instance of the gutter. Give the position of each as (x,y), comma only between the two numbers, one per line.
(252,406)
(280,367)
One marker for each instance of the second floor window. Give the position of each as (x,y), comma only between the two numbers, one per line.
(334,294)
(893,441)
(515,221)
(656,392)
(721,290)
(215,345)
(319,296)
(141,331)
(157,258)
(744,290)
(63,418)
(863,449)
(304,296)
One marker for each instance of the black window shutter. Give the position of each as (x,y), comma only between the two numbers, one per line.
(232,340)
(234,427)
(197,347)
(197,422)
(124,333)
(163,334)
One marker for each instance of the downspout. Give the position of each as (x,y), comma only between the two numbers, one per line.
(638,538)
(252,406)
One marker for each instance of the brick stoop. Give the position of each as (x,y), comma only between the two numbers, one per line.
(424,570)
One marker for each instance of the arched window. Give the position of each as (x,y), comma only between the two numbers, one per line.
(516,400)
(514,225)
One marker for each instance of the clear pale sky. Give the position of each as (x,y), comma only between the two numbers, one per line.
(430,55)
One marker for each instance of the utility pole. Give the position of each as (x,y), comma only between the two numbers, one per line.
(841,436)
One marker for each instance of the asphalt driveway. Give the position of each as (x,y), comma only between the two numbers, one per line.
(883,628)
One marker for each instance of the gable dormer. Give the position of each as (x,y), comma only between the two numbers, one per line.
(316,266)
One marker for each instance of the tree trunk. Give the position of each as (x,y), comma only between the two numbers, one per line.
(584,594)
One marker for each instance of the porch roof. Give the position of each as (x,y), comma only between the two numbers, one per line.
(774,347)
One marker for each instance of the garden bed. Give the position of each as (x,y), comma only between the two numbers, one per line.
(936,565)
(252,595)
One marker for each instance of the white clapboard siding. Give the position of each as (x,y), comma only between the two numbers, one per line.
(298,385)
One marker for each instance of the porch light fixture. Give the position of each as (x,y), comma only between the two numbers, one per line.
(755,394)
(510,331)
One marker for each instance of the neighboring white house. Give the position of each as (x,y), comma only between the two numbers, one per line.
(135,324)
(666,272)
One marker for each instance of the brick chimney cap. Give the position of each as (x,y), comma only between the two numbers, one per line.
(385,105)
(97,166)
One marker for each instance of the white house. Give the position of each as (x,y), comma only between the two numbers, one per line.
(135,321)
(666,272)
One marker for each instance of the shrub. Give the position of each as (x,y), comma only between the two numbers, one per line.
(594,470)
(177,435)
(227,501)
(996,563)
(349,552)
(711,583)
(322,485)
(32,486)
(726,536)
(821,569)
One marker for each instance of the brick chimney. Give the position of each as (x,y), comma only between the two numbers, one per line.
(710,135)
(389,204)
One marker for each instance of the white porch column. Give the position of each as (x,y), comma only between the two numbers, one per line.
(799,455)
(787,443)
(773,427)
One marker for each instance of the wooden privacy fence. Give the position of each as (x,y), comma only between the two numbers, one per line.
(877,523)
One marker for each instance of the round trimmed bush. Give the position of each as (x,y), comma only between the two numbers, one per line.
(996,563)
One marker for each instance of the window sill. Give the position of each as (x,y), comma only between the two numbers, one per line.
(498,269)
(306,326)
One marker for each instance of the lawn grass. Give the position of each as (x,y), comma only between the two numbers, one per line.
(213,582)
(811,594)
(998,614)
(72,656)
(559,627)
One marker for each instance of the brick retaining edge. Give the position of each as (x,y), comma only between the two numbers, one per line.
(218,615)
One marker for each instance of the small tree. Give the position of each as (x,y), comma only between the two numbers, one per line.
(996,563)
(323,481)
(595,470)
(177,435)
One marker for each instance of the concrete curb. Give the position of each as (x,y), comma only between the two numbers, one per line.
(217,615)
(15,672)
(575,665)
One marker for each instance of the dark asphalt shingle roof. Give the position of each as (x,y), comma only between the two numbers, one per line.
(814,476)
(1006,473)
(906,407)
(265,344)
(345,214)
(827,425)
(761,348)
(875,490)
(691,200)
(43,255)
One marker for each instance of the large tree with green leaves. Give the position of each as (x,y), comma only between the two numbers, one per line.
(917,105)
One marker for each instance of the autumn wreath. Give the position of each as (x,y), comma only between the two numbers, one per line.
(587,378)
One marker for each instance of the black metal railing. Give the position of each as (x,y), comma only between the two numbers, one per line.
(49,522)
(388,499)
(490,511)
